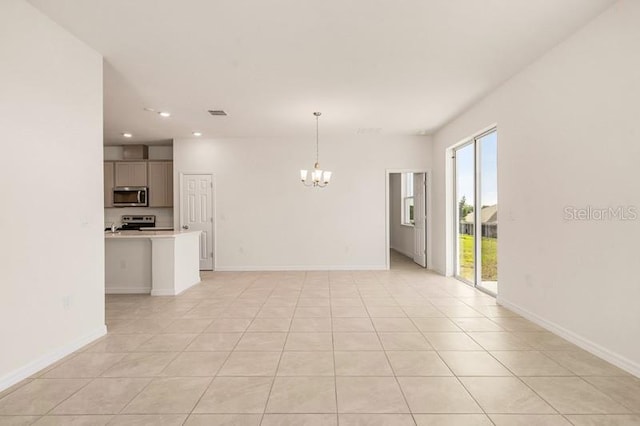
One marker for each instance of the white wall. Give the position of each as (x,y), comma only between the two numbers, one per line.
(265,217)
(401,237)
(52,253)
(568,135)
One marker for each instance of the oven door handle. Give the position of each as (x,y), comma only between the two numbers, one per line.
(139,194)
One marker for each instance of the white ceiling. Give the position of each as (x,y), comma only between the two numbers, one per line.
(404,66)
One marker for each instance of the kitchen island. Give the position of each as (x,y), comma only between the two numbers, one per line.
(160,263)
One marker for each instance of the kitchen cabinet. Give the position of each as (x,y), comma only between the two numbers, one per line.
(109,180)
(131,173)
(160,179)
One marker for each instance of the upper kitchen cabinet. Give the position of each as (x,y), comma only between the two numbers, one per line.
(109,180)
(131,173)
(160,183)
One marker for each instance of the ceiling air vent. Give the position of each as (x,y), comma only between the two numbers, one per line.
(217,112)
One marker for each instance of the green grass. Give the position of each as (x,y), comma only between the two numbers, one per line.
(489,258)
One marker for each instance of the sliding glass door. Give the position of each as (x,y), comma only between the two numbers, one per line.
(465,203)
(476,211)
(487,147)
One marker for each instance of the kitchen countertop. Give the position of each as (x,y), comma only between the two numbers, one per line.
(146,234)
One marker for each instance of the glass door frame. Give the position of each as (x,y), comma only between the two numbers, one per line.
(477,218)
(456,228)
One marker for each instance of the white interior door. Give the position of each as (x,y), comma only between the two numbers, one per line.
(196,213)
(420,219)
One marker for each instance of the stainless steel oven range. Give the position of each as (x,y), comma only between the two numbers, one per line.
(135,223)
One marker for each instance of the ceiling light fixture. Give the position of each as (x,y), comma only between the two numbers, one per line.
(127,135)
(319,178)
(164,114)
(197,133)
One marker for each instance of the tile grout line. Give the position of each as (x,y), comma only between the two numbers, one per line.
(177,354)
(454,374)
(466,333)
(384,351)
(90,379)
(333,352)
(188,415)
(458,378)
(169,363)
(275,373)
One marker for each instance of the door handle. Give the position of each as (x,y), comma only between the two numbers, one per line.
(185,226)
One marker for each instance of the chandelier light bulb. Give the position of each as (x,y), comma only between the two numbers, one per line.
(317,175)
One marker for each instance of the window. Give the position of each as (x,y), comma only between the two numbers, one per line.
(407,199)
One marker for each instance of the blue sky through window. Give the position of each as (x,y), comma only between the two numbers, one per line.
(488,146)
(489,169)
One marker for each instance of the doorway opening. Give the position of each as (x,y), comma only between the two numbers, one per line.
(406,220)
(476,211)
(197,213)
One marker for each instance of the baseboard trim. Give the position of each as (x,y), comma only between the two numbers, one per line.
(402,252)
(586,344)
(163,293)
(33,367)
(127,290)
(301,268)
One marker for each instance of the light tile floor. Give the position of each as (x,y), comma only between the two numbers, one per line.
(399,347)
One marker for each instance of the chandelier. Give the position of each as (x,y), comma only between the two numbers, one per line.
(319,178)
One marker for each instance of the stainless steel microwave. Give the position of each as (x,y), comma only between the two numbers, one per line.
(130,196)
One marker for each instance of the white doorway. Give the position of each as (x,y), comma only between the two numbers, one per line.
(197,213)
(407,223)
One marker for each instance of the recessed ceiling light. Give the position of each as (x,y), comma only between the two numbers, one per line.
(197,133)
(127,135)
(164,114)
